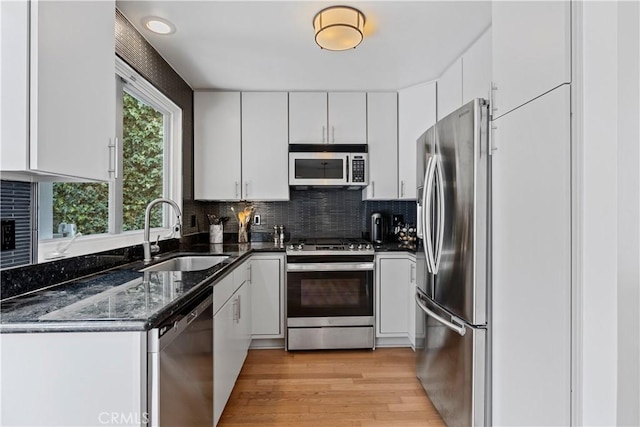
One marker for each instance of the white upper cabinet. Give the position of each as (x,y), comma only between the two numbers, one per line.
(321,118)
(58,88)
(450,89)
(531,50)
(217,146)
(347,118)
(382,128)
(265,159)
(476,69)
(416,114)
(307,117)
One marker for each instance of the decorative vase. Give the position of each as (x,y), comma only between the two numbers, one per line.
(243,236)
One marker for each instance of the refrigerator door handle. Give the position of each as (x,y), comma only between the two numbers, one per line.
(427,201)
(459,329)
(441,214)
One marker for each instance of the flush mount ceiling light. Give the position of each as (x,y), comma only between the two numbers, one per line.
(339,27)
(159,25)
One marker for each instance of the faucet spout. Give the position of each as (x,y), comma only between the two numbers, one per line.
(146,244)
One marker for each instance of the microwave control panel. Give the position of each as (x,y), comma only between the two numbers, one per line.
(358,169)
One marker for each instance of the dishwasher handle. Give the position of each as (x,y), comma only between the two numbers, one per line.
(178,323)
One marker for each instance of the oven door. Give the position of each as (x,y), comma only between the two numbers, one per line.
(319,168)
(329,294)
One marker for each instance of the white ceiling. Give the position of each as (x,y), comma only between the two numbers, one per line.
(269,45)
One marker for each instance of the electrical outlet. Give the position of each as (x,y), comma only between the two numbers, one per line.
(8,235)
(256,220)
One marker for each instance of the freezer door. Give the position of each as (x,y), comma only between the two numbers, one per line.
(451,366)
(461,276)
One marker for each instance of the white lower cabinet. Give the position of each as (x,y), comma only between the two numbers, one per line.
(267,286)
(45,376)
(231,335)
(394,291)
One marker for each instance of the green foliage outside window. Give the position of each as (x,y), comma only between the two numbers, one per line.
(143,163)
(86,204)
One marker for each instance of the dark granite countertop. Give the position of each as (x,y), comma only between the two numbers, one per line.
(396,247)
(122,298)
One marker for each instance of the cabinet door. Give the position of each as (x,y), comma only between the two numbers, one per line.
(393,293)
(265,158)
(347,118)
(476,69)
(73,88)
(267,283)
(216,147)
(382,130)
(531,50)
(531,193)
(307,117)
(244,322)
(231,341)
(416,114)
(450,89)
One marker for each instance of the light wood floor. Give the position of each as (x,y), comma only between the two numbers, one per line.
(329,388)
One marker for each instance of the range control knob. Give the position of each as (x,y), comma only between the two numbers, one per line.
(291,247)
(352,246)
(367,246)
(300,246)
(360,246)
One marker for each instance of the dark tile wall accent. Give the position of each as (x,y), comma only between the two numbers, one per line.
(15,204)
(314,213)
(137,52)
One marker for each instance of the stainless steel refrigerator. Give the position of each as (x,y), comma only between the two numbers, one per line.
(452,295)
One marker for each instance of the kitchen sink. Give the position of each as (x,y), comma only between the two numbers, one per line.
(187,263)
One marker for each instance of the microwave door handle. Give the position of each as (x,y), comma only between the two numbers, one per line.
(347,170)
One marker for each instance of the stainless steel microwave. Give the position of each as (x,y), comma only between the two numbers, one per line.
(328,165)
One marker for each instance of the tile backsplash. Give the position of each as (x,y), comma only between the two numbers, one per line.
(314,213)
(15,205)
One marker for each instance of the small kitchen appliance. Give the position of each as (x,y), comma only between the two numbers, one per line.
(328,165)
(378,228)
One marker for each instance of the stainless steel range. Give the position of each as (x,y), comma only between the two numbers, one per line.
(330,294)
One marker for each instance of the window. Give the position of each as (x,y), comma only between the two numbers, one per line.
(149,128)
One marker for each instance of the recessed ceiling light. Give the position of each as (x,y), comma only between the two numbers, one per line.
(159,25)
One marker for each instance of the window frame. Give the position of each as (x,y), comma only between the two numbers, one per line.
(141,88)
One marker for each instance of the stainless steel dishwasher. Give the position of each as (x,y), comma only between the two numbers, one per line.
(180,354)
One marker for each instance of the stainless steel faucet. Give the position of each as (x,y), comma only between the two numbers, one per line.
(146,244)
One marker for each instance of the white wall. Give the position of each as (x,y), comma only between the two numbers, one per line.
(597,205)
(628,213)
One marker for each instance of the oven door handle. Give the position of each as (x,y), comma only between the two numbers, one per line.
(331,266)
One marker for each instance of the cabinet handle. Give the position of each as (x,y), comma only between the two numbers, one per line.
(239,308)
(492,137)
(249,273)
(333,134)
(235,310)
(412,274)
(323,132)
(246,189)
(237,190)
(401,188)
(492,98)
(113,154)
(373,189)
